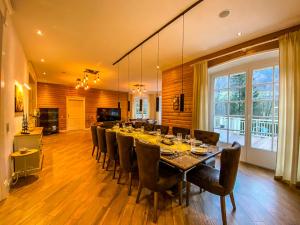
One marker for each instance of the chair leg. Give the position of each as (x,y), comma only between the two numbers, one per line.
(155,206)
(120,174)
(107,165)
(223,210)
(130,183)
(104,160)
(139,193)
(115,167)
(93,150)
(99,156)
(188,188)
(180,192)
(232,201)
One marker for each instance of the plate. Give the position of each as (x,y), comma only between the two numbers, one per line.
(199,151)
(151,132)
(169,136)
(166,151)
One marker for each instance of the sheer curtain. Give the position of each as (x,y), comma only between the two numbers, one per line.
(288,163)
(200,97)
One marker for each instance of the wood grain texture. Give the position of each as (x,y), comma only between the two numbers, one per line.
(73,189)
(54,96)
(171,87)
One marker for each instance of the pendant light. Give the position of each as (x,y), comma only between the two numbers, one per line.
(119,104)
(141,99)
(128,100)
(157,72)
(181,107)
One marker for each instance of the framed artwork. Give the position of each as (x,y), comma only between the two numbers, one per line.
(19,99)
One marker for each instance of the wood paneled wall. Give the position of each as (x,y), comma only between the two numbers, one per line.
(55,95)
(171,87)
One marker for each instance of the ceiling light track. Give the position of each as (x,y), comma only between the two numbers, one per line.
(160,29)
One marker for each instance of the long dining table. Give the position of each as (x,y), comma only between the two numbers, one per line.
(182,157)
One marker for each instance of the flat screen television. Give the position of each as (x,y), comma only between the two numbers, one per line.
(108,114)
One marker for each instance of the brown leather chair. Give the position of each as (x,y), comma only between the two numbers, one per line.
(219,182)
(127,157)
(210,138)
(183,131)
(112,149)
(101,143)
(163,129)
(148,127)
(207,137)
(154,175)
(94,139)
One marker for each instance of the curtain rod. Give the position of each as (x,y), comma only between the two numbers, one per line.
(159,30)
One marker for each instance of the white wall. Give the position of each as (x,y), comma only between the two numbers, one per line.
(14,67)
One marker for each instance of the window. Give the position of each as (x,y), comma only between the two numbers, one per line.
(144,114)
(264,122)
(229,107)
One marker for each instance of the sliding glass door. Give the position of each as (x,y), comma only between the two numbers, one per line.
(245,109)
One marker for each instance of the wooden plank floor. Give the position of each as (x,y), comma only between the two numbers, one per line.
(74,189)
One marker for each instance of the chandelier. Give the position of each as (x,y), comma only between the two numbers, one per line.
(84,81)
(138,89)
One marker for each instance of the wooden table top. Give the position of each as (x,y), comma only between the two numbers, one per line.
(182,157)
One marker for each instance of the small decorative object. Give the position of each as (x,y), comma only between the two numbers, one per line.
(24,125)
(23,150)
(176,103)
(19,98)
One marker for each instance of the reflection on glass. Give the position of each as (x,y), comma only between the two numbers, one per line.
(237,80)
(221,96)
(262,92)
(221,109)
(221,82)
(237,94)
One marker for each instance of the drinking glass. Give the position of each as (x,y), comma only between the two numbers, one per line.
(123,125)
(187,137)
(117,125)
(142,129)
(158,132)
(130,127)
(179,137)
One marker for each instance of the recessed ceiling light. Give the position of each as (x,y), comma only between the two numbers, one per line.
(239,34)
(42,60)
(40,33)
(224,13)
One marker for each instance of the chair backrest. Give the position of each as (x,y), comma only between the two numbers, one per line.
(111,144)
(101,139)
(138,124)
(94,135)
(163,129)
(183,131)
(207,137)
(230,158)
(125,149)
(148,163)
(108,124)
(148,127)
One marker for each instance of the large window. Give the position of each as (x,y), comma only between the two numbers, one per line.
(229,107)
(264,121)
(144,114)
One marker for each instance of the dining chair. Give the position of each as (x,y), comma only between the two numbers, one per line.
(148,127)
(163,129)
(127,157)
(183,131)
(95,140)
(219,182)
(155,176)
(208,137)
(112,149)
(138,124)
(101,143)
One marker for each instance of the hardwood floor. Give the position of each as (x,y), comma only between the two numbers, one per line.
(74,189)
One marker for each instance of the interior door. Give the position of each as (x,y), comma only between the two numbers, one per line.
(75,113)
(263,116)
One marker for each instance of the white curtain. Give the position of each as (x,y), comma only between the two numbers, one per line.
(288,163)
(200,97)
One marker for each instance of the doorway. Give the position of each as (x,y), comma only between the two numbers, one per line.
(75,113)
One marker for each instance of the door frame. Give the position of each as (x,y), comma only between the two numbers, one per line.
(67,109)
(250,155)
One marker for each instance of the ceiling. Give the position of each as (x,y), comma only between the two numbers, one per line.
(94,33)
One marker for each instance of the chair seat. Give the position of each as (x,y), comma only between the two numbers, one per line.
(168,177)
(207,178)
